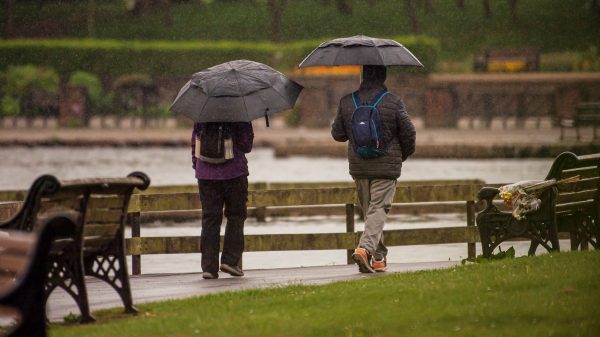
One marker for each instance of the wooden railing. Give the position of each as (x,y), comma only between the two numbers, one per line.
(431,193)
(465,193)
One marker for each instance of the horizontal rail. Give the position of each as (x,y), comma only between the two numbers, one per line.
(316,241)
(19,195)
(300,197)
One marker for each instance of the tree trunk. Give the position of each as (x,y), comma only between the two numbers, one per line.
(165,7)
(512,5)
(460,4)
(344,6)
(428,7)
(411,8)
(372,3)
(91,19)
(9,5)
(487,11)
(276,8)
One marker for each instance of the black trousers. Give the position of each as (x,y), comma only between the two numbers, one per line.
(214,195)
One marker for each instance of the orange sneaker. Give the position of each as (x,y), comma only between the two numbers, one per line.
(362,259)
(379,266)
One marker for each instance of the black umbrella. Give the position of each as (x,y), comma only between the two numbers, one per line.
(236,91)
(361,50)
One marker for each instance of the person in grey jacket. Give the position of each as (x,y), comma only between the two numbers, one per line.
(375,178)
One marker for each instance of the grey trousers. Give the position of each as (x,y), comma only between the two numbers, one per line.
(375,197)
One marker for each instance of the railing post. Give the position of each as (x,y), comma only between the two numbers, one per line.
(471,246)
(261,213)
(349,229)
(136,260)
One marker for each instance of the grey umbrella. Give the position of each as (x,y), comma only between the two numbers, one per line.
(236,91)
(361,50)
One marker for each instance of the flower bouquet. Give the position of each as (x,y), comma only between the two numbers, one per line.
(523,196)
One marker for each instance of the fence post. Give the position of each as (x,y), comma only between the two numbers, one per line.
(261,213)
(349,229)
(136,260)
(471,246)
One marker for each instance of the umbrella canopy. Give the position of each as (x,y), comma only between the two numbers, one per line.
(236,91)
(361,50)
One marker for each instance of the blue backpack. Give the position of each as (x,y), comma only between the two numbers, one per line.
(366,127)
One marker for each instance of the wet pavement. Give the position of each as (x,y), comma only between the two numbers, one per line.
(160,287)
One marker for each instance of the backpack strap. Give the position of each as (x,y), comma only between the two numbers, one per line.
(379,97)
(355,99)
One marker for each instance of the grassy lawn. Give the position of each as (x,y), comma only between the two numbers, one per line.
(548,295)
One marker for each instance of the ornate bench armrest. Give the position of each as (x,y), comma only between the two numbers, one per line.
(487,195)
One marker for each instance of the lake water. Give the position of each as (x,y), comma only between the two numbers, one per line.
(19,166)
(172,166)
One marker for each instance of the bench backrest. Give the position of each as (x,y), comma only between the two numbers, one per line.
(16,250)
(582,195)
(23,273)
(98,205)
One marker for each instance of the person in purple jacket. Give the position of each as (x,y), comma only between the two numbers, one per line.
(223,184)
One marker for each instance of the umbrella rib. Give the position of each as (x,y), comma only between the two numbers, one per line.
(280,95)
(205,101)
(240,90)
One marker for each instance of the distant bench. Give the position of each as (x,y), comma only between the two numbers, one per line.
(23,263)
(587,114)
(507,60)
(99,207)
(573,208)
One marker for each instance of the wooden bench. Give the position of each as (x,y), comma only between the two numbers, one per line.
(99,207)
(23,262)
(573,208)
(507,60)
(587,114)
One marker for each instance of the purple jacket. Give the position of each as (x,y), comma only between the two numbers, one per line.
(243,136)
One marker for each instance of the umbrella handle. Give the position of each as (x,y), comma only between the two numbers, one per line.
(267,116)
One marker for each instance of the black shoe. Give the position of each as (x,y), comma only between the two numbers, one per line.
(209,276)
(232,270)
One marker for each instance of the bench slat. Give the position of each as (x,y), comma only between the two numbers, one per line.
(102,230)
(15,242)
(583,172)
(571,197)
(103,216)
(13,263)
(568,207)
(60,204)
(581,185)
(106,202)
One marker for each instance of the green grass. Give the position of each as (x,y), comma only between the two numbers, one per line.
(552,25)
(548,295)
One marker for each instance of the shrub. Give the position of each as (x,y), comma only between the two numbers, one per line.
(22,83)
(169,58)
(88,81)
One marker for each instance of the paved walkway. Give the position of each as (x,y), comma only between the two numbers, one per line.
(158,287)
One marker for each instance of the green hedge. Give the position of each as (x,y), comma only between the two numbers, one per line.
(170,58)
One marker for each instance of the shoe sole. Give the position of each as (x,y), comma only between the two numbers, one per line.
(363,264)
(210,277)
(232,272)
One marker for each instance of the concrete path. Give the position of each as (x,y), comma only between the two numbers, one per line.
(159,287)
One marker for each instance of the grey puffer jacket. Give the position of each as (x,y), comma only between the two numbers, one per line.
(399,134)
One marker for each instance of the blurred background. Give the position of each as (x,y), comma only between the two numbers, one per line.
(119,63)
(86,85)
